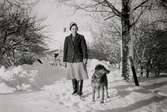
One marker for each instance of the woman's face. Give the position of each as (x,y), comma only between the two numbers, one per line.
(74,29)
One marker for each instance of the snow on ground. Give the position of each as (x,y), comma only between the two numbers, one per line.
(6,89)
(124,97)
(57,97)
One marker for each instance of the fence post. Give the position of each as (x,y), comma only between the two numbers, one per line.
(134,71)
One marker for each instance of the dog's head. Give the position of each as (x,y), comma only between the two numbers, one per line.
(101,69)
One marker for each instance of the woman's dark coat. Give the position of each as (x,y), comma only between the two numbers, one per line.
(75,51)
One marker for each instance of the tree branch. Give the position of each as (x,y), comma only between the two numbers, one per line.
(137,18)
(114,10)
(164,3)
(140,5)
(87,10)
(109,17)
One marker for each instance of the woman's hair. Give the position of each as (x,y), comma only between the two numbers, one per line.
(73,24)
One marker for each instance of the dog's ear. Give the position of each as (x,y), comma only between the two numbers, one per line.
(106,70)
(99,66)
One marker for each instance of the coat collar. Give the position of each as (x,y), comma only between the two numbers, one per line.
(77,36)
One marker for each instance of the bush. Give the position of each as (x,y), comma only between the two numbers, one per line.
(25,59)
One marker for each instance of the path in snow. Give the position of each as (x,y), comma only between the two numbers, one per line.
(124,97)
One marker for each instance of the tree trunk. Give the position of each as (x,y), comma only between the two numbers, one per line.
(147,71)
(125,21)
(148,67)
(141,69)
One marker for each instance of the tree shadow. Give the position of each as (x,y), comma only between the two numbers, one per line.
(152,77)
(121,90)
(155,85)
(142,90)
(20,92)
(162,75)
(136,105)
(123,86)
(145,89)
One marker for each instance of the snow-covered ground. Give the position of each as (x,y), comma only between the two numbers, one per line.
(124,97)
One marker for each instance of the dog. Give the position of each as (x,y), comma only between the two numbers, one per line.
(99,82)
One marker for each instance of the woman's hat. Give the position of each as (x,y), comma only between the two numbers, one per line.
(73,24)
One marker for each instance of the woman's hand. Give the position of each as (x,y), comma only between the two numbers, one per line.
(85,61)
(65,64)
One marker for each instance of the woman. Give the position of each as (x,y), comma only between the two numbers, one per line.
(75,58)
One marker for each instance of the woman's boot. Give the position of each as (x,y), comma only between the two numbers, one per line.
(80,86)
(75,86)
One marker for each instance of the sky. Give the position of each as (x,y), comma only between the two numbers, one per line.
(57,17)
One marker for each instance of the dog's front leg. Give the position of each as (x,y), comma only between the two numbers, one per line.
(93,95)
(107,92)
(102,97)
(98,90)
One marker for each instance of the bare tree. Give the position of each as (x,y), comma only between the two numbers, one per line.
(149,47)
(106,40)
(123,10)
